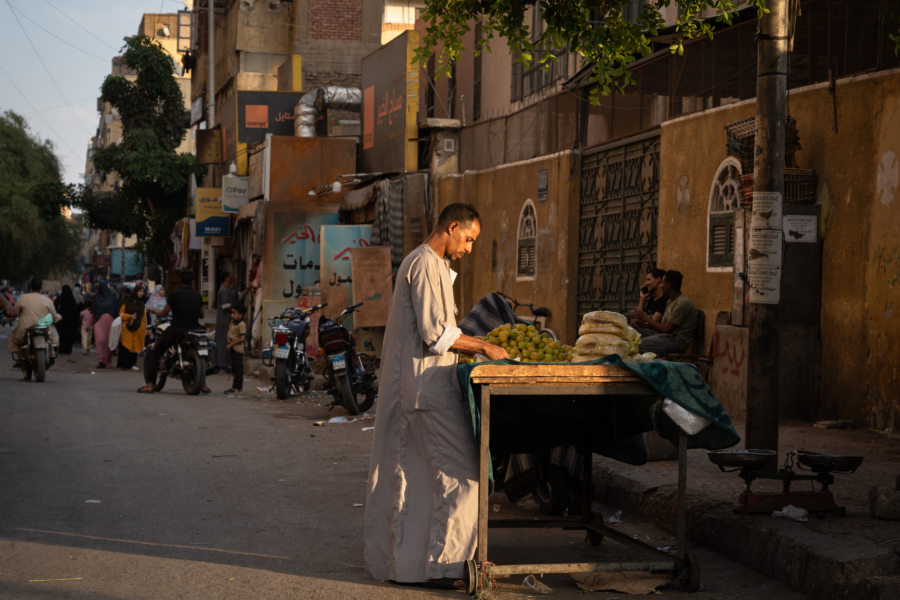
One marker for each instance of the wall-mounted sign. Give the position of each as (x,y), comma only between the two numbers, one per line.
(259,113)
(235,192)
(211,221)
(543,185)
(390,83)
(209,146)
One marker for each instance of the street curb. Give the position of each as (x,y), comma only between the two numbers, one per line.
(809,562)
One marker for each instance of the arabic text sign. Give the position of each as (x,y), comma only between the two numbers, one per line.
(296,252)
(211,221)
(260,113)
(337,275)
(371,270)
(384,79)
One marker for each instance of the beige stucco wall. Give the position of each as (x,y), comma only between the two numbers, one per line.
(860,229)
(499,195)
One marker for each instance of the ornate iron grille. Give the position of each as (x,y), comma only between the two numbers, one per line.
(617,233)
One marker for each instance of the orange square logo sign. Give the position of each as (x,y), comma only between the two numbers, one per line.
(257,116)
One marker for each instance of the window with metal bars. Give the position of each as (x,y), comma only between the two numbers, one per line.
(526,245)
(724,199)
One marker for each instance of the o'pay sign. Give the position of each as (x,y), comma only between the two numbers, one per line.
(235,192)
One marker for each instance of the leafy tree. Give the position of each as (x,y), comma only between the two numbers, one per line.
(154,190)
(35,238)
(603,32)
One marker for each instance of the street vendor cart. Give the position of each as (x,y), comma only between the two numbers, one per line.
(599,407)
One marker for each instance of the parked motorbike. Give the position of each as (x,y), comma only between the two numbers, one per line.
(349,377)
(36,354)
(185,359)
(539,314)
(290,331)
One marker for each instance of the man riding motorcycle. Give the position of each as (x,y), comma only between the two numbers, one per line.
(186,305)
(31,308)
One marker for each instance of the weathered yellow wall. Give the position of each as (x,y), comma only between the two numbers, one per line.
(499,195)
(883,256)
(693,147)
(860,312)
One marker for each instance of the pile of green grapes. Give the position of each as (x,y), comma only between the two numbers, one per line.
(527,344)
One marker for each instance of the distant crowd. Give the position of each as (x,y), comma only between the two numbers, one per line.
(111,320)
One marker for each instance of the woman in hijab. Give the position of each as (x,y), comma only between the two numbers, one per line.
(67,306)
(134,326)
(105,308)
(156,304)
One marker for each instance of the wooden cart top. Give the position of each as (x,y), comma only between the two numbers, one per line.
(544,374)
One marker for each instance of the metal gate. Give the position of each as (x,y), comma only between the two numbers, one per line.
(617,223)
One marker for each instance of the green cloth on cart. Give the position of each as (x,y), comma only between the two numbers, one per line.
(622,419)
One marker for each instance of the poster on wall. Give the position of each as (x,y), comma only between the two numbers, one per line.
(297,252)
(211,221)
(337,276)
(371,272)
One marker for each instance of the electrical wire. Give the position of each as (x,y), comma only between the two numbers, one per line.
(39,26)
(37,112)
(47,70)
(89,32)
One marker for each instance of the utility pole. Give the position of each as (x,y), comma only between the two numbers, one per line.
(766,237)
(210,120)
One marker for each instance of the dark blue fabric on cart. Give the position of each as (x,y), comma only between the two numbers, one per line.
(530,423)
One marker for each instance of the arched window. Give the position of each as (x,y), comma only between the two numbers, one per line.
(526,246)
(724,199)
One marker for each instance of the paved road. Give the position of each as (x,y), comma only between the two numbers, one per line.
(109,494)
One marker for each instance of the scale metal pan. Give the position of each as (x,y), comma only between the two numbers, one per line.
(830,463)
(741,458)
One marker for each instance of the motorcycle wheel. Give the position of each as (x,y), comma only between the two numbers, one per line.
(40,364)
(152,372)
(194,373)
(282,379)
(26,370)
(368,401)
(347,396)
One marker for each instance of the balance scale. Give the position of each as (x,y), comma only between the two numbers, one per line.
(751,464)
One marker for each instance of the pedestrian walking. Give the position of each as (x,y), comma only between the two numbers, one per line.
(237,332)
(105,308)
(226,297)
(87,327)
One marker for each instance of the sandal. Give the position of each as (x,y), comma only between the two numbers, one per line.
(147,389)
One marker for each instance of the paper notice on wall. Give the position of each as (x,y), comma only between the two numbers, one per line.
(766,210)
(765,285)
(801,228)
(765,248)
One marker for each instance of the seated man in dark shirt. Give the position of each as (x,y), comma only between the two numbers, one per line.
(676,330)
(652,303)
(186,305)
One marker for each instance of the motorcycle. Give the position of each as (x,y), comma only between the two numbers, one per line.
(36,354)
(348,374)
(185,359)
(290,331)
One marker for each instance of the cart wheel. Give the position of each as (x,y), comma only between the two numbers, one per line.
(593,538)
(471,577)
(689,574)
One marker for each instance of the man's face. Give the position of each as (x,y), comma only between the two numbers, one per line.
(651,282)
(462,236)
(665,285)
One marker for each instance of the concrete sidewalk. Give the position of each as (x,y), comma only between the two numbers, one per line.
(855,556)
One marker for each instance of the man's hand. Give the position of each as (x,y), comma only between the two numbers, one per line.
(494,352)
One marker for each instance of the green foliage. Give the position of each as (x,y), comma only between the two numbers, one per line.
(154,190)
(35,238)
(595,29)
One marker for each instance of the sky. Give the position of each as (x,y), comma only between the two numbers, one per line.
(56,54)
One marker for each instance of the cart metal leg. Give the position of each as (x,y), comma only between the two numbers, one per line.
(484,465)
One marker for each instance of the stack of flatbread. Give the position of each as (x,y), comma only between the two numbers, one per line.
(603,332)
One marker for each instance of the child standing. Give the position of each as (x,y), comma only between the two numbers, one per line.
(87,327)
(237,330)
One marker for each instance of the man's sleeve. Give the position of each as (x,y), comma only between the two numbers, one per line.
(428,304)
(679,313)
